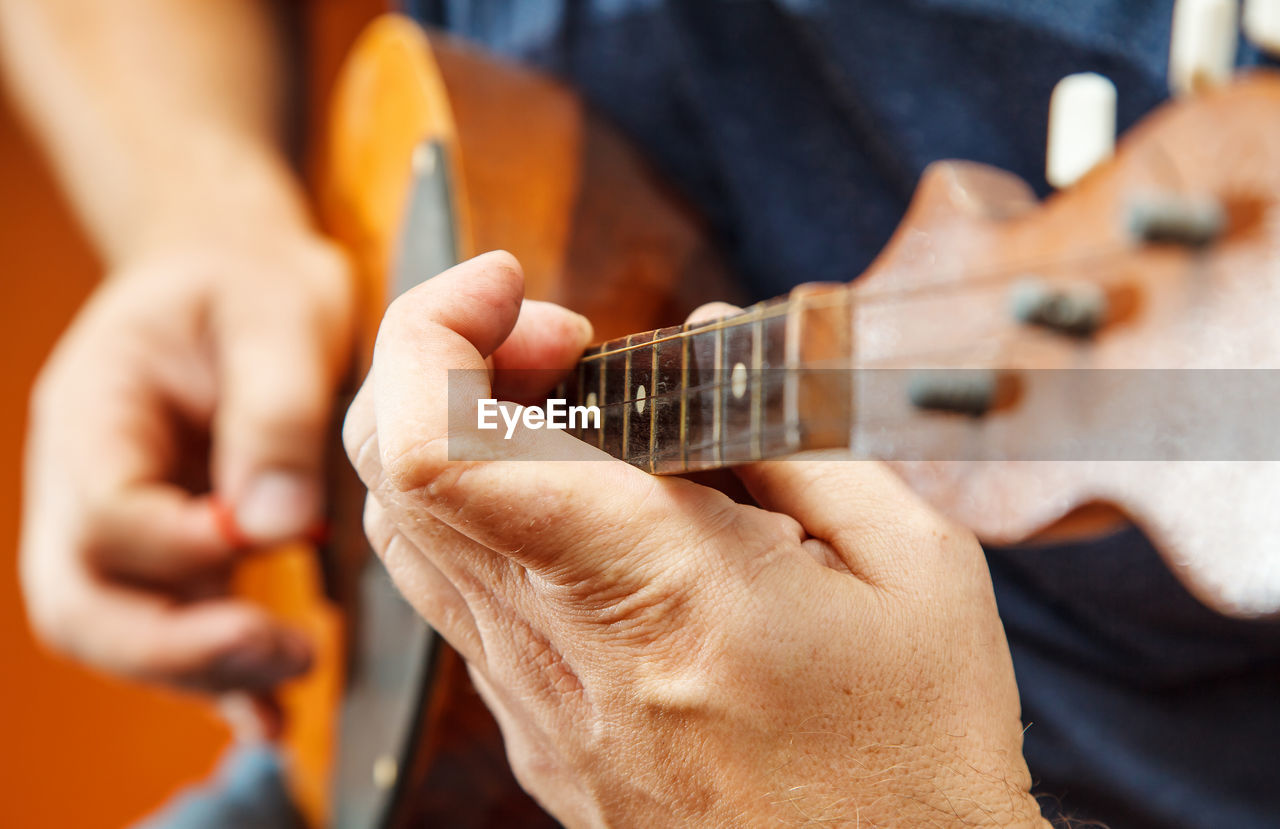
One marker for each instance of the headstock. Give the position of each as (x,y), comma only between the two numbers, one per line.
(1111,415)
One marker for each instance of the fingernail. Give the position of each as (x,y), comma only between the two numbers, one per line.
(277,506)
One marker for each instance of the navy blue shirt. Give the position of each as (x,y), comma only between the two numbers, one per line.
(800,128)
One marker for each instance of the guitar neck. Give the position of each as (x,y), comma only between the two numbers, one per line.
(759,384)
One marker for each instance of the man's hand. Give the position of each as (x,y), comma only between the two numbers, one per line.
(203,361)
(655,653)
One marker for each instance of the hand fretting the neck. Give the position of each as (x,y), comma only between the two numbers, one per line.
(726,391)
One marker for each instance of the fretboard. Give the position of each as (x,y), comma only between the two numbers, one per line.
(759,384)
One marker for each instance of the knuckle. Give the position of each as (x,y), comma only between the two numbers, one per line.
(290,420)
(685,694)
(422,466)
(361,445)
(48,605)
(46,598)
(357,425)
(331,267)
(147,660)
(59,619)
(534,763)
(155,658)
(402,314)
(377,528)
(658,617)
(367,463)
(760,541)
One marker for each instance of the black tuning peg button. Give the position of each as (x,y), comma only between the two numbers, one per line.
(961,391)
(1078,309)
(1177,221)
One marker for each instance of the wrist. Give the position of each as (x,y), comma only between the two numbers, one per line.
(971,789)
(224,189)
(939,789)
(984,799)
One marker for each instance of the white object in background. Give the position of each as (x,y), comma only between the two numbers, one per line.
(1082,127)
(1202,51)
(1262,25)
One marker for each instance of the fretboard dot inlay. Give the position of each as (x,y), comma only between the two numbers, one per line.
(738,380)
(592,400)
(640,399)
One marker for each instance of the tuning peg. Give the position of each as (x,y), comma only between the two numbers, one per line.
(961,391)
(1193,222)
(1262,25)
(1078,309)
(1082,127)
(1202,51)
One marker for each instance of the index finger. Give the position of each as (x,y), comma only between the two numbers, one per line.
(542,497)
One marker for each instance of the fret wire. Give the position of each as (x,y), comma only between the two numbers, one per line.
(626,390)
(717,406)
(602,402)
(581,372)
(653,402)
(757,398)
(684,398)
(791,363)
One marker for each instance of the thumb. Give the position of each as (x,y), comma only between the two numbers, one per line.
(278,367)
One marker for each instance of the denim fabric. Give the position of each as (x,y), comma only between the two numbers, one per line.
(247,792)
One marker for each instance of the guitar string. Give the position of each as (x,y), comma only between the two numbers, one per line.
(781,306)
(832,364)
(856,299)
(722,387)
(998,345)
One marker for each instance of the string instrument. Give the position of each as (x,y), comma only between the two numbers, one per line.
(993,353)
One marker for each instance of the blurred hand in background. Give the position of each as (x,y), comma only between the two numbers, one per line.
(181,419)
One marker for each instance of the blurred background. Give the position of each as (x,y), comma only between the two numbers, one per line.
(76,749)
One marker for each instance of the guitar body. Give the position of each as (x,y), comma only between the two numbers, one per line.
(535,173)
(433,155)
